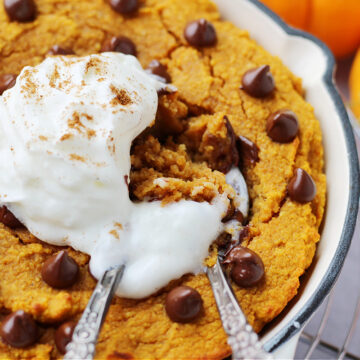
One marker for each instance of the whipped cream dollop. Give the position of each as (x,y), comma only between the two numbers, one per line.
(66,131)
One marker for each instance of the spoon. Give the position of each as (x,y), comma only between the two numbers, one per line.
(86,332)
(242,339)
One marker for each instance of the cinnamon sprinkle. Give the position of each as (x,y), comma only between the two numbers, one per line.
(121,97)
(90,133)
(115,234)
(87,116)
(54,76)
(94,63)
(66,137)
(29,86)
(119,225)
(76,157)
(75,123)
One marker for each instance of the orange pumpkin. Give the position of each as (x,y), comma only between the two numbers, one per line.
(355,85)
(336,22)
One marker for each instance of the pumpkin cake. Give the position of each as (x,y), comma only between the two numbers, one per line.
(235,105)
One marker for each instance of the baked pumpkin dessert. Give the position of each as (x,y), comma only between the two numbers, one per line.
(104,162)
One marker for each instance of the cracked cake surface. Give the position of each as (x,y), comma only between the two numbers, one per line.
(181,157)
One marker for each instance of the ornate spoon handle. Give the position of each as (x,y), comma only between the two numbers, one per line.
(87,330)
(242,339)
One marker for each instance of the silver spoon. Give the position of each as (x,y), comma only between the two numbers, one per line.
(86,332)
(242,339)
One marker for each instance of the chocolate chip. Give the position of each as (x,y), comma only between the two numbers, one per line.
(248,151)
(301,187)
(247,268)
(223,241)
(258,82)
(222,154)
(124,6)
(232,136)
(19,329)
(58,50)
(282,126)
(183,304)
(244,234)
(200,33)
(7,81)
(119,44)
(20,10)
(229,214)
(233,214)
(8,218)
(238,216)
(63,335)
(156,68)
(60,271)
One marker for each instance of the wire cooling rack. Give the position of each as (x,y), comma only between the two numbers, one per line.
(341,343)
(334,332)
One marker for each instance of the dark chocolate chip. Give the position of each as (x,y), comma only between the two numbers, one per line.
(258,82)
(233,214)
(183,304)
(232,136)
(8,218)
(19,329)
(223,241)
(302,187)
(7,81)
(124,6)
(238,216)
(248,151)
(156,68)
(244,234)
(200,33)
(63,335)
(247,268)
(282,126)
(60,271)
(229,214)
(224,244)
(120,44)
(225,153)
(20,10)
(58,50)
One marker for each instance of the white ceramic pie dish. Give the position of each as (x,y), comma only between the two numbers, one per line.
(311,60)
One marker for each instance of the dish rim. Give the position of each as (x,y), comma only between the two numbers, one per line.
(333,271)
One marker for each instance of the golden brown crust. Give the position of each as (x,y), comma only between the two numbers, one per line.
(284,233)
